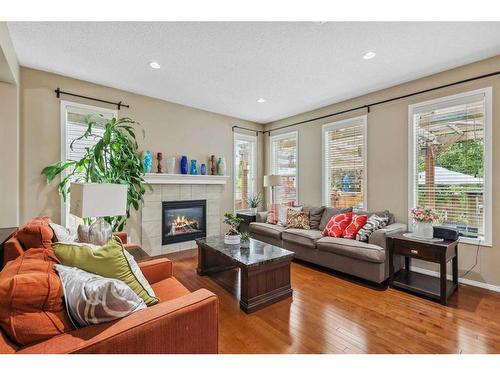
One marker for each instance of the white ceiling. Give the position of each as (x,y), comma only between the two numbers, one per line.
(225,67)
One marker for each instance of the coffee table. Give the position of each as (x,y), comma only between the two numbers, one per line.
(264,269)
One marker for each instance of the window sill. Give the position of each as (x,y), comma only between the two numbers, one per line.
(475,242)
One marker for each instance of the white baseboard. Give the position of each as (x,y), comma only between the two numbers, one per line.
(460,279)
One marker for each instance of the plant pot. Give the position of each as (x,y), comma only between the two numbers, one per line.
(423,229)
(245,244)
(253,210)
(232,239)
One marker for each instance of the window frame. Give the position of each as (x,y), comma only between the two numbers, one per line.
(349,122)
(272,157)
(65,147)
(253,172)
(443,102)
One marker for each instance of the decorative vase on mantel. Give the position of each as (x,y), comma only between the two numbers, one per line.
(184,164)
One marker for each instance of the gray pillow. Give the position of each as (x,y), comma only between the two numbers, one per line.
(315,214)
(92,299)
(329,212)
(63,234)
(384,213)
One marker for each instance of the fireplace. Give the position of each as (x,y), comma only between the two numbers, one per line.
(183,221)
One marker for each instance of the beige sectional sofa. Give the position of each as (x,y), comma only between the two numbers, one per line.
(367,260)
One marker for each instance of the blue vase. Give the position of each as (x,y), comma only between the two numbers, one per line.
(184,165)
(194,170)
(148,161)
(203,169)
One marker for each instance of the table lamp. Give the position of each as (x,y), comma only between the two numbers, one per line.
(272,181)
(94,200)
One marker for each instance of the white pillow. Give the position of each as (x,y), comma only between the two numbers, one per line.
(92,299)
(283,213)
(63,234)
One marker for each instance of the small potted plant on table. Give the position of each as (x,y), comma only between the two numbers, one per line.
(245,240)
(232,237)
(423,218)
(253,202)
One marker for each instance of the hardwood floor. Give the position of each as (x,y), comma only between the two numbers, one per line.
(332,314)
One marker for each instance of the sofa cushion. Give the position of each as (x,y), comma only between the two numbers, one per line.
(31,298)
(299,220)
(328,213)
(305,237)
(266,229)
(36,233)
(315,214)
(352,248)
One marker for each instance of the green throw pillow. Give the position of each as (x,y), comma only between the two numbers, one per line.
(108,261)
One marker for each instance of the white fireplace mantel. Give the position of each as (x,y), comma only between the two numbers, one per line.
(165,178)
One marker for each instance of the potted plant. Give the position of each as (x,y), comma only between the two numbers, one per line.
(254,201)
(245,240)
(423,219)
(232,237)
(115,158)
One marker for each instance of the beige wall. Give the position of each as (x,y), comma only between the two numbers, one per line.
(171,128)
(9,131)
(388,153)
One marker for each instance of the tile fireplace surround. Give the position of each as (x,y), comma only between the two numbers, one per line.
(152,210)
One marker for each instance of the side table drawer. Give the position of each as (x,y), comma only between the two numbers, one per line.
(420,252)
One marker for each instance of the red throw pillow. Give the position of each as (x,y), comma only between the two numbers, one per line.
(358,221)
(337,225)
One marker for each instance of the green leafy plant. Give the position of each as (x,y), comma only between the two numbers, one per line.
(233,222)
(113,159)
(245,236)
(254,200)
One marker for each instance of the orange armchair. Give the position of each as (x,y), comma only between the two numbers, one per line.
(182,322)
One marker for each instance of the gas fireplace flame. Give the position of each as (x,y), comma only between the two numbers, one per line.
(183,224)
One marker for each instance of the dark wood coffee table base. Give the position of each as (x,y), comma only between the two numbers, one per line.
(260,285)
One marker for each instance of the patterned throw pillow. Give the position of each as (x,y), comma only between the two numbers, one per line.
(93,299)
(358,221)
(373,223)
(273,212)
(297,219)
(283,213)
(337,225)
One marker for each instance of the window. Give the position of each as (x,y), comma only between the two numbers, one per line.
(245,169)
(284,162)
(450,161)
(73,125)
(344,163)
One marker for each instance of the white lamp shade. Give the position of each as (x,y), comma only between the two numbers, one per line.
(98,200)
(272,180)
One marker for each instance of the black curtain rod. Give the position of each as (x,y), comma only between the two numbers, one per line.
(250,130)
(367,106)
(59,92)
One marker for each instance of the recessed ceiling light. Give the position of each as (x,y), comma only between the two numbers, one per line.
(369,55)
(261,100)
(154,65)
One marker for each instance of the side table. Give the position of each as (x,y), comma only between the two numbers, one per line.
(248,218)
(438,288)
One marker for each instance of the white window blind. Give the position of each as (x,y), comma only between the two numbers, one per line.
(245,169)
(284,162)
(450,155)
(344,149)
(74,124)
